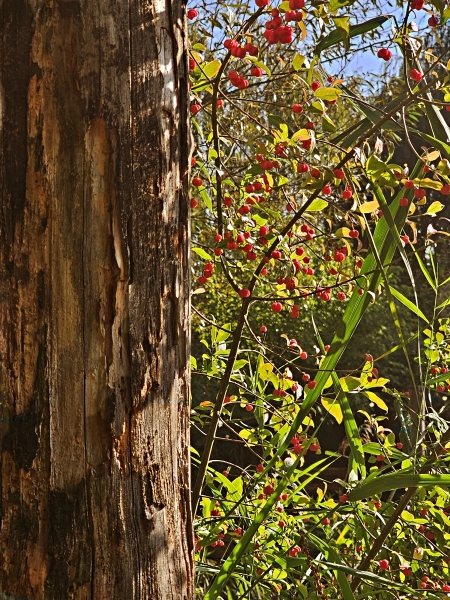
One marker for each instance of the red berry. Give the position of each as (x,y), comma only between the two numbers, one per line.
(405,239)
(256,72)
(192,13)
(403,202)
(268,490)
(354,233)
(197,182)
(281,524)
(193,203)
(420,193)
(303,168)
(347,193)
(259,468)
(343,498)
(415,75)
(263,329)
(445,189)
(276,307)
(339,174)
(297,108)
(249,407)
(399,445)
(383,564)
(315,173)
(326,190)
(433,21)
(312,384)
(244,293)
(384,53)
(417,4)
(315,85)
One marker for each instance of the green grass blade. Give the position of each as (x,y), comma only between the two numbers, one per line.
(396,481)
(368,576)
(351,428)
(412,307)
(340,574)
(424,270)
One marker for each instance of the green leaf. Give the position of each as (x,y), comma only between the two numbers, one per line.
(334,5)
(202,253)
(396,481)
(377,169)
(327,124)
(239,364)
(333,38)
(317,205)
(205,197)
(342,27)
(436,142)
(412,307)
(328,93)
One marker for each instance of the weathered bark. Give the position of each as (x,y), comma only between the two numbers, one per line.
(94,311)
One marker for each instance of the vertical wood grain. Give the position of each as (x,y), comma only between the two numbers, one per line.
(94,300)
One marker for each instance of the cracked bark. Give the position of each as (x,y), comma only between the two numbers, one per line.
(94,310)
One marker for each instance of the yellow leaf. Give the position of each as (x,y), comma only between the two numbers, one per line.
(333,408)
(434,208)
(206,403)
(376,400)
(302,29)
(343,232)
(301,135)
(369,207)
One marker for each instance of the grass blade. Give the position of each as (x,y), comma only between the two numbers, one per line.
(396,481)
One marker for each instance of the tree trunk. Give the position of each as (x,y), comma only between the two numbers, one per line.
(94,300)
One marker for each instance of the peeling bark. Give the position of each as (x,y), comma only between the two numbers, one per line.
(94,301)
